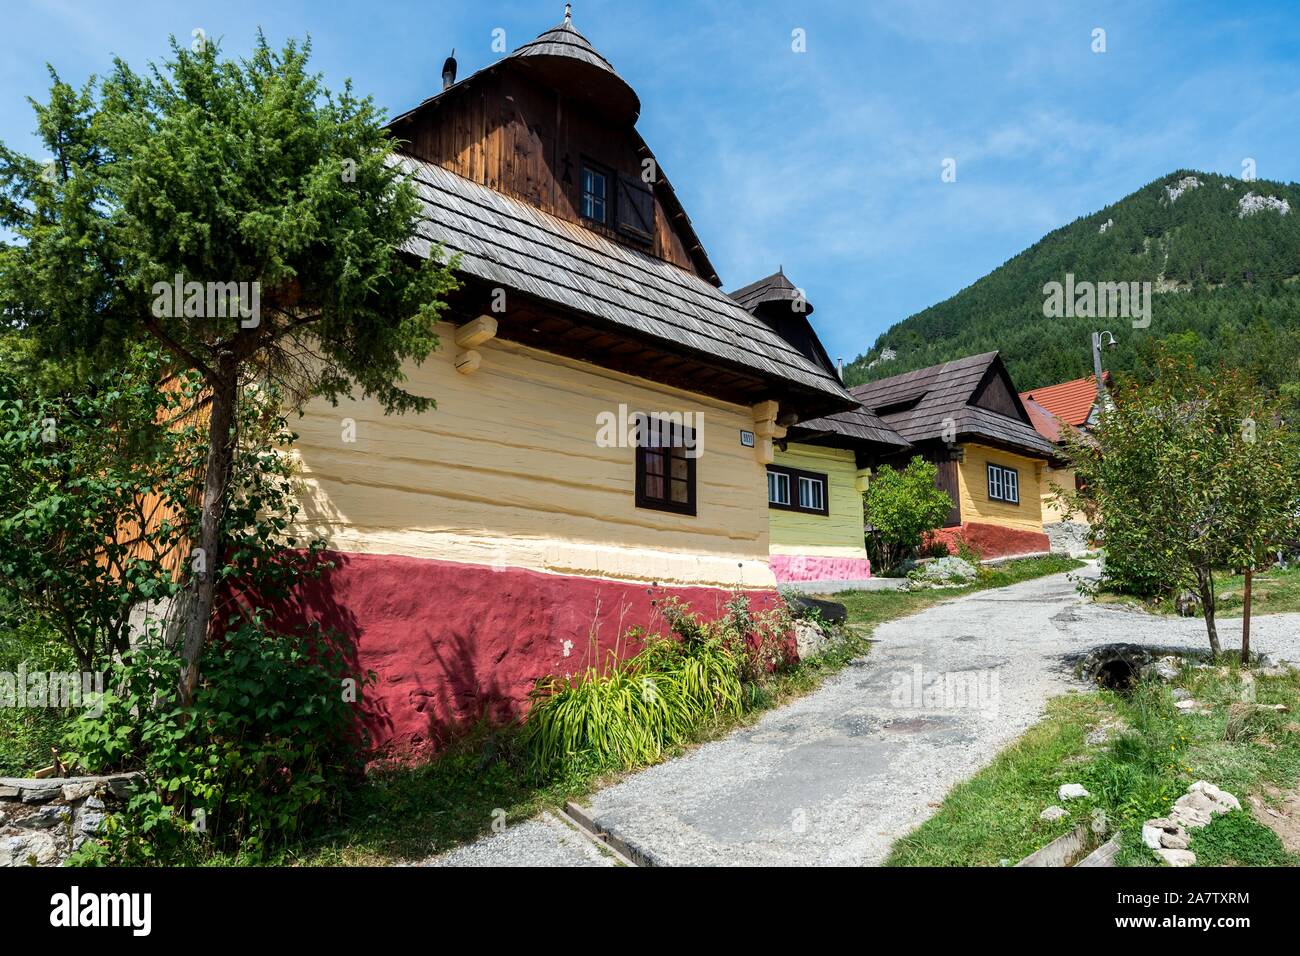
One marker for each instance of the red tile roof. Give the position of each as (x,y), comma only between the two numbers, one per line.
(1045,423)
(1071,402)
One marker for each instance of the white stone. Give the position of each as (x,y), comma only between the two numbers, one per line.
(1224,801)
(1071,791)
(37,846)
(1052,814)
(809,638)
(78,791)
(1151,835)
(1177,857)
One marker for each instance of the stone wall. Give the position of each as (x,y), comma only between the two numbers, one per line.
(43,820)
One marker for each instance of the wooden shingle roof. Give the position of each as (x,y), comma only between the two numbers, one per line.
(920,404)
(773,288)
(859,426)
(515,245)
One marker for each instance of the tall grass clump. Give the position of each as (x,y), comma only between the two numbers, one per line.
(626,713)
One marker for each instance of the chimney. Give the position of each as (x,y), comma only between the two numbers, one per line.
(449,70)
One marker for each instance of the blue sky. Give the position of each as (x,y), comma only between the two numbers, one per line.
(828,161)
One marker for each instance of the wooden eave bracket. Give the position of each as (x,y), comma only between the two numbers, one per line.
(766,430)
(468,338)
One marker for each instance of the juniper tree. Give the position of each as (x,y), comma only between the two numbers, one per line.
(239,215)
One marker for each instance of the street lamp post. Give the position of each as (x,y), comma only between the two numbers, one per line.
(1098,338)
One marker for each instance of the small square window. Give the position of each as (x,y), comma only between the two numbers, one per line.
(1004,484)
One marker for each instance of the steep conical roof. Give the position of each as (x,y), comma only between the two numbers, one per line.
(565,40)
(566,59)
(773,288)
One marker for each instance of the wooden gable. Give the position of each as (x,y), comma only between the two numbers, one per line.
(507,129)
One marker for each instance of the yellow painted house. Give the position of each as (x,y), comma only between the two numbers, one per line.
(605,413)
(820,467)
(966,417)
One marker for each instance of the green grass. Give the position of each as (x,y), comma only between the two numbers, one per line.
(1153,753)
(407,814)
(1272,592)
(27,734)
(1238,839)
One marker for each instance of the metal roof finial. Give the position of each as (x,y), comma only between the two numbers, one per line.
(568,12)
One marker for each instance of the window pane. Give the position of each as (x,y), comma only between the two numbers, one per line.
(654,486)
(593,194)
(1013,486)
(654,463)
(681,492)
(810,494)
(778,488)
(681,468)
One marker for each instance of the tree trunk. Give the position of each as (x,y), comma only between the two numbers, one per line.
(221,442)
(1205,581)
(1245,621)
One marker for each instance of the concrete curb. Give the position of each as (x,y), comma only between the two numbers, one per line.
(630,853)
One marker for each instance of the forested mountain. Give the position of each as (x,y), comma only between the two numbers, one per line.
(1223,259)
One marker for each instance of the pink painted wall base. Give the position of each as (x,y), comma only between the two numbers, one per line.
(451,643)
(795,568)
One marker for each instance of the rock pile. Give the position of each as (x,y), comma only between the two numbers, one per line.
(42,821)
(1168,836)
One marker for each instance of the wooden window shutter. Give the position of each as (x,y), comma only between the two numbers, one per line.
(635,207)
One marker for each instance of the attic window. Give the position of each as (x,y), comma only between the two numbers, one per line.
(595,193)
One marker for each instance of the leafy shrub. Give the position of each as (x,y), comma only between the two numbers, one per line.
(900,506)
(629,712)
(262,750)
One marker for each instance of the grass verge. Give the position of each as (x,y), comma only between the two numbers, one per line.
(1272,592)
(1135,754)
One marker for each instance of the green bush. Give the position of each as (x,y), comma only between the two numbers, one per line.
(264,749)
(900,506)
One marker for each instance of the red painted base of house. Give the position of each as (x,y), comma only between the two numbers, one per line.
(994,541)
(451,643)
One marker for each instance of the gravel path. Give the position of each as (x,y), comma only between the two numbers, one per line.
(835,777)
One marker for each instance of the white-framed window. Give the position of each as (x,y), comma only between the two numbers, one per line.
(778,488)
(1004,484)
(793,489)
(812,494)
(595,194)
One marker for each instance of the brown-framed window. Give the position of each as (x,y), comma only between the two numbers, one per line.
(1004,484)
(665,467)
(793,489)
(597,197)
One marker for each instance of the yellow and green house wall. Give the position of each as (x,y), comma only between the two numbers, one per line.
(814,548)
